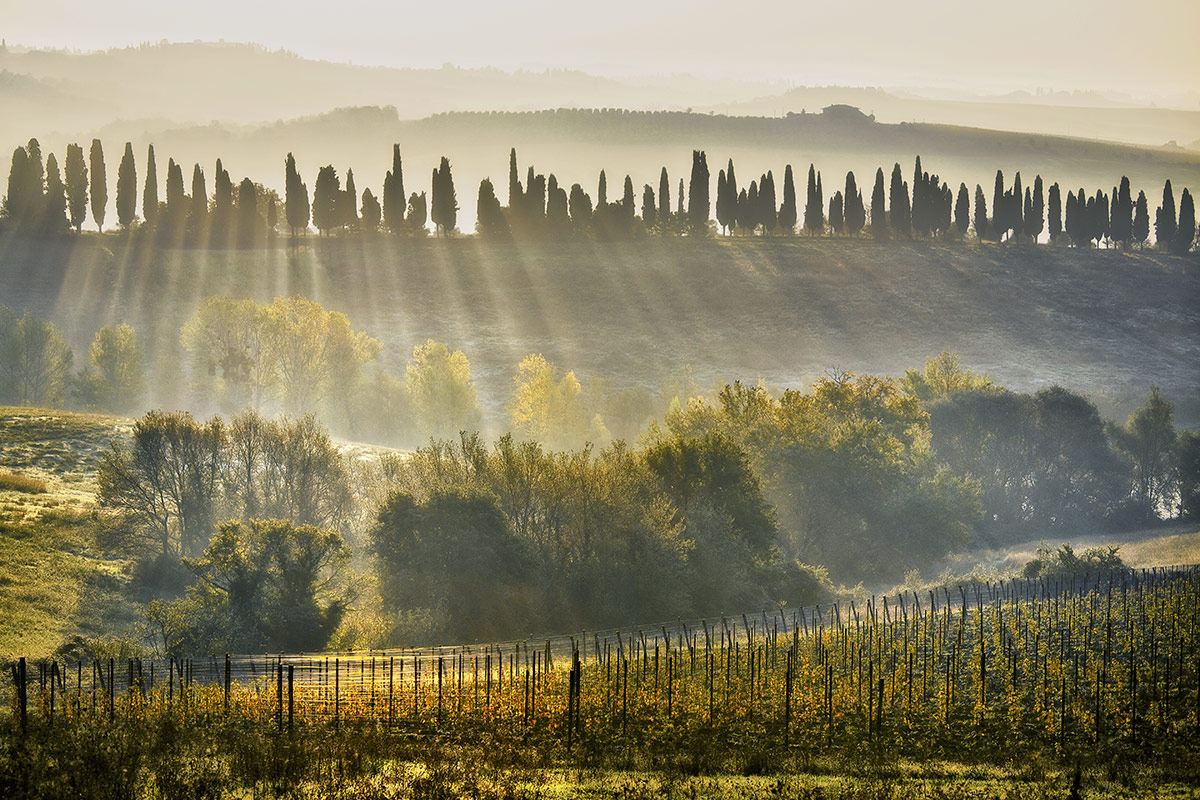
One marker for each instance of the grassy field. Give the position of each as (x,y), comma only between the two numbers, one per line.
(1108,324)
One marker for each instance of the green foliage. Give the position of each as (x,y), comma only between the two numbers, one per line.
(325,200)
(1188,450)
(943,376)
(442,394)
(1148,440)
(262,585)
(553,410)
(114,380)
(35,361)
(444,211)
(1065,561)
(76,185)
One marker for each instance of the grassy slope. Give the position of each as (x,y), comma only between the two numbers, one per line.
(1108,324)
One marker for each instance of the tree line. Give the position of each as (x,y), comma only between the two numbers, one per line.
(736,501)
(43,200)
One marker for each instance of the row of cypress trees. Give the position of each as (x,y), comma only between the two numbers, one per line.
(43,200)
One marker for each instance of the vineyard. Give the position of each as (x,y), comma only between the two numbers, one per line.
(1102,670)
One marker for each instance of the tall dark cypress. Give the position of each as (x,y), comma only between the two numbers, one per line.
(1164,218)
(750,209)
(1141,220)
(222,223)
(999,217)
(901,219)
(77,186)
(981,217)
(731,195)
(769,216)
(247,214)
(812,206)
(150,191)
(514,181)
(100,184)
(879,225)
(54,207)
(836,214)
(788,212)
(698,197)
(295,205)
(852,199)
(445,201)
(627,200)
(177,199)
(664,198)
(1054,202)
(127,189)
(393,193)
(325,203)
(1185,230)
(198,207)
(348,202)
(962,210)
(723,210)
(1122,214)
(649,212)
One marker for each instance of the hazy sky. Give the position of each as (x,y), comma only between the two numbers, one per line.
(1146,48)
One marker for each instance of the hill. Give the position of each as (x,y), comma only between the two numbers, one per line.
(1106,323)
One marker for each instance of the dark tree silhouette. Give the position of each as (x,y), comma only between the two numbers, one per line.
(54,207)
(247,214)
(348,202)
(1055,221)
(99,186)
(393,194)
(814,205)
(1141,220)
(698,199)
(1185,231)
(788,212)
(900,210)
(724,212)
(602,190)
(999,215)
(295,202)
(981,217)
(127,189)
(222,209)
(879,224)
(664,200)
(372,212)
(1164,219)
(1035,217)
(649,212)
(325,200)
(77,186)
(417,214)
(768,216)
(514,181)
(445,201)
(1122,214)
(962,210)
(627,199)
(580,206)
(836,214)
(489,216)
(150,191)
(177,199)
(198,207)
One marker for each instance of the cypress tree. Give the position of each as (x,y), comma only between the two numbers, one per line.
(679,203)
(812,206)
(879,225)
(1122,213)
(1071,216)
(1164,219)
(127,189)
(272,215)
(99,184)
(1185,231)
(1141,220)
(580,205)
(514,181)
(836,213)
(222,223)
(417,214)
(920,217)
(962,210)
(855,215)
(750,209)
(35,178)
(788,212)
(1035,225)
(489,216)
(77,186)
(325,200)
(999,220)
(393,194)
(557,205)
(742,213)
(649,212)
(247,213)
(981,217)
(664,199)
(372,212)
(198,207)
(1014,215)
(177,199)
(17,202)
(723,210)
(445,201)
(54,209)
(602,191)
(698,197)
(901,218)
(295,203)
(1102,215)
(1055,213)
(731,196)
(150,191)
(766,198)
(348,202)
(627,200)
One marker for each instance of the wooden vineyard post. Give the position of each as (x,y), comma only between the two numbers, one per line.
(112,709)
(291,705)
(391,692)
(337,695)
(787,701)
(439,717)
(22,692)
(279,695)
(227,682)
